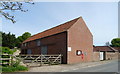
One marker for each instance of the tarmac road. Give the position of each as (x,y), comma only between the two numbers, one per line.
(98,67)
(107,67)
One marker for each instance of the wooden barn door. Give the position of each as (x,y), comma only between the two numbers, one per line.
(44,50)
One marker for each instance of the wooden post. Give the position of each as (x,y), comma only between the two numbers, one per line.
(10,60)
(41,60)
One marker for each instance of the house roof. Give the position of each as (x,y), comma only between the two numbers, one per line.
(102,48)
(117,48)
(52,31)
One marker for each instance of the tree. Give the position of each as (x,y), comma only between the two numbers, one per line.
(115,42)
(8,40)
(24,36)
(6,7)
(0,38)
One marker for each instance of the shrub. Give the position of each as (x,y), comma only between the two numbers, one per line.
(21,68)
(6,50)
(15,63)
(6,69)
(13,69)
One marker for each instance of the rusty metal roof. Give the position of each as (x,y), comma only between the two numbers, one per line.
(52,31)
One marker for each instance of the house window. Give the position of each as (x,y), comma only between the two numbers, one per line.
(38,42)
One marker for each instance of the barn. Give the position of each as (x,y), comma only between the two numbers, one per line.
(72,39)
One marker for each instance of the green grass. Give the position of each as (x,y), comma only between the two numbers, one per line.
(13,69)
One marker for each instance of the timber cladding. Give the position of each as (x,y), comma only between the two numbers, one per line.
(65,39)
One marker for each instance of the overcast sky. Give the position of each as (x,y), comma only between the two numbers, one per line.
(101,18)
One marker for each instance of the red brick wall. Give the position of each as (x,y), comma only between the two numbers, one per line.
(56,44)
(80,38)
(111,55)
(96,56)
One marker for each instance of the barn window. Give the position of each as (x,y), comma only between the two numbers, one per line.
(25,44)
(38,42)
(29,51)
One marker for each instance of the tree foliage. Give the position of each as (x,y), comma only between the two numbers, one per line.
(6,50)
(24,36)
(115,42)
(10,40)
(6,7)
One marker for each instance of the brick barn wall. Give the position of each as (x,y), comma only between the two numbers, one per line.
(80,38)
(96,56)
(56,44)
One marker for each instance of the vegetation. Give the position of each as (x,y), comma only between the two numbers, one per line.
(6,50)
(20,39)
(10,40)
(15,65)
(7,6)
(13,69)
(115,42)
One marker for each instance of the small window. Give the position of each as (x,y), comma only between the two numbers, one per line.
(25,44)
(29,51)
(38,42)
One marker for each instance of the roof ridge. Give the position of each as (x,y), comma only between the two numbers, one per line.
(62,26)
(59,25)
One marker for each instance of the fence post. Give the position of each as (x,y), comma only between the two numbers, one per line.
(60,58)
(41,60)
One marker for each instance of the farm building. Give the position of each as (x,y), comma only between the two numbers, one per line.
(105,53)
(72,39)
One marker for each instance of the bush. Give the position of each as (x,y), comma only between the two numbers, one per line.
(15,63)
(13,69)
(21,68)
(6,50)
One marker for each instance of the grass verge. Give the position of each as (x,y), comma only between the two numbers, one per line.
(13,69)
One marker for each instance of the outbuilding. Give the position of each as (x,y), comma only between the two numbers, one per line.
(72,39)
(105,53)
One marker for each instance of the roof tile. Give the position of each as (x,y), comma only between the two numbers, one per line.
(52,31)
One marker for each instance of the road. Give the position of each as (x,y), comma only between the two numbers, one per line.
(103,68)
(108,67)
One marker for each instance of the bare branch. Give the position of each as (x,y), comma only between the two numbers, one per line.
(11,6)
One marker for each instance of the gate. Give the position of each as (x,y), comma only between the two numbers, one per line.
(39,60)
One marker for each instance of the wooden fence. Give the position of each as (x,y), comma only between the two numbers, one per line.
(40,60)
(5,59)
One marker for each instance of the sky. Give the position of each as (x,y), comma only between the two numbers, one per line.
(100,17)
